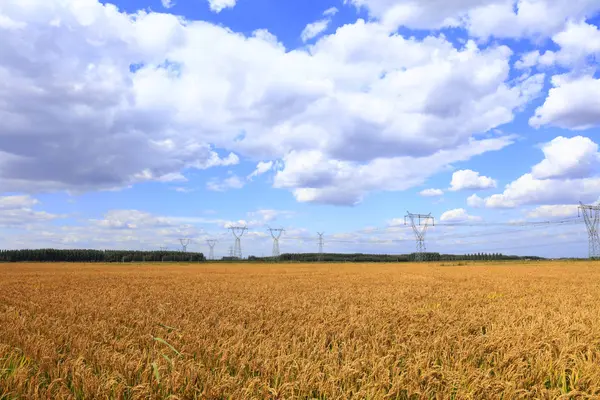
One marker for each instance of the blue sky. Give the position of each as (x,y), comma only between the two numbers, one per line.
(131,124)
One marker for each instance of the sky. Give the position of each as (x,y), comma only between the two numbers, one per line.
(132,124)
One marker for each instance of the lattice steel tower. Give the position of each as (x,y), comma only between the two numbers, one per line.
(276,234)
(211,244)
(591,216)
(184,243)
(238,232)
(320,245)
(419,230)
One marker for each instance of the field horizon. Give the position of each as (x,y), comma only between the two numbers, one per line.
(328,331)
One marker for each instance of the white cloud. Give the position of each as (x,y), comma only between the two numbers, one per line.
(181,189)
(458,215)
(268,215)
(559,210)
(330,12)
(431,192)
(467,179)
(579,48)
(317,179)
(555,180)
(475,201)
(577,42)
(219,5)
(527,190)
(573,103)
(17,202)
(167,3)
(18,211)
(314,29)
(131,219)
(482,18)
(347,98)
(572,158)
(231,182)
(261,168)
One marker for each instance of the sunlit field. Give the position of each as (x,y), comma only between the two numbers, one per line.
(324,331)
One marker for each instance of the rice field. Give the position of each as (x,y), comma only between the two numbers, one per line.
(300,331)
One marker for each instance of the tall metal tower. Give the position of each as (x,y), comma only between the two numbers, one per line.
(238,232)
(163,248)
(276,234)
(320,245)
(184,244)
(419,230)
(211,244)
(591,216)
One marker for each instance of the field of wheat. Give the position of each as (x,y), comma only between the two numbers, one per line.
(328,331)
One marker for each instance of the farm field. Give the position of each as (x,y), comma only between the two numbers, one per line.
(324,331)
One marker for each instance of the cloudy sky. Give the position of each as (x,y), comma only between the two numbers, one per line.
(135,123)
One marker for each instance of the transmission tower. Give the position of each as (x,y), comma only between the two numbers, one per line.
(591,216)
(163,248)
(320,245)
(238,232)
(276,234)
(184,244)
(419,230)
(211,244)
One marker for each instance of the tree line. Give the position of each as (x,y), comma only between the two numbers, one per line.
(360,257)
(86,255)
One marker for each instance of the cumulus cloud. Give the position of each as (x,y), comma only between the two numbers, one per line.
(431,192)
(475,201)
(572,103)
(320,180)
(482,18)
(219,5)
(127,98)
(579,45)
(555,180)
(467,179)
(571,158)
(458,215)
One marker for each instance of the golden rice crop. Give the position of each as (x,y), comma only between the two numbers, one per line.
(300,331)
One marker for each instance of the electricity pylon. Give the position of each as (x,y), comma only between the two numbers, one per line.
(238,232)
(591,216)
(320,245)
(184,244)
(276,234)
(419,230)
(211,244)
